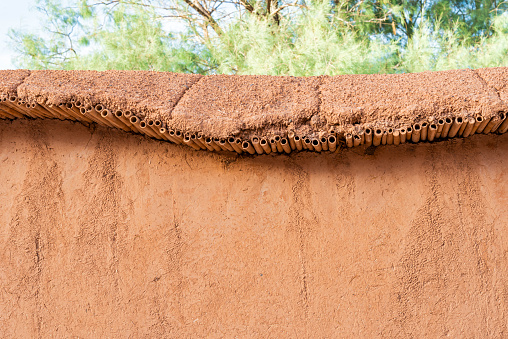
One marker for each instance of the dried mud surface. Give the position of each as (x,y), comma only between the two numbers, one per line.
(224,106)
(146,93)
(396,99)
(496,78)
(105,234)
(10,80)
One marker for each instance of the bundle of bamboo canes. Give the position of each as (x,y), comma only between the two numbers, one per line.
(429,130)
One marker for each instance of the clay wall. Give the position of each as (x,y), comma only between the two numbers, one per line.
(109,234)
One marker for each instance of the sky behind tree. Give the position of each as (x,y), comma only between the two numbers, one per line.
(14,14)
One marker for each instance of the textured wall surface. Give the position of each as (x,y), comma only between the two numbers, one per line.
(245,107)
(105,234)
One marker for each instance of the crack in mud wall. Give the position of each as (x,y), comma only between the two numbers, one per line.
(486,84)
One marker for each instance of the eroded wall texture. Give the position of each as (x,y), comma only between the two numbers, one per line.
(106,234)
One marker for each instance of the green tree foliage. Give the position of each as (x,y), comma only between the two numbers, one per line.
(312,43)
(126,37)
(298,38)
(437,49)
(136,41)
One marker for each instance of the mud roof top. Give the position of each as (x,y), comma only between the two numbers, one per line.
(232,106)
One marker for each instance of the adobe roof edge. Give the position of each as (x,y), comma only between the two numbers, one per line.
(265,114)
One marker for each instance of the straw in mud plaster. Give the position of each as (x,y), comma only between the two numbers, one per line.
(96,112)
(25,109)
(456,125)
(357,140)
(21,107)
(349,140)
(68,109)
(202,140)
(409,133)
(396,137)
(273,144)
(361,134)
(317,145)
(247,147)
(187,141)
(163,131)
(177,135)
(57,115)
(502,117)
(332,143)
(74,110)
(291,139)
(37,111)
(417,128)
(425,131)
(194,138)
(76,105)
(440,125)
(469,128)
(5,115)
(50,115)
(216,140)
(308,144)
(15,104)
(503,127)
(266,146)
(483,125)
(198,142)
(285,145)
(147,130)
(378,135)
(447,127)
(324,143)
(12,109)
(32,110)
(368,137)
(389,136)
(155,127)
(56,112)
(234,144)
(211,143)
(298,143)
(278,144)
(15,114)
(403,136)
(225,144)
(70,114)
(83,111)
(120,116)
(451,126)
(493,121)
(432,131)
(477,123)
(106,114)
(126,117)
(238,144)
(255,142)
(92,114)
(465,122)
